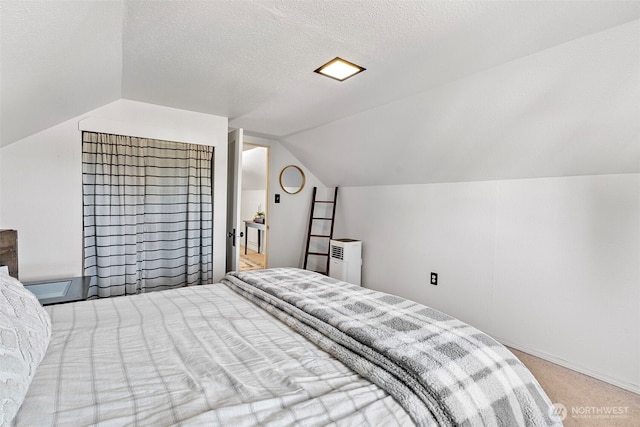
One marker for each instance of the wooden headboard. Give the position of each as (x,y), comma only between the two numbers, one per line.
(9,251)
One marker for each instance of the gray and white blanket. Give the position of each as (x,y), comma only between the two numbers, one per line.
(437,367)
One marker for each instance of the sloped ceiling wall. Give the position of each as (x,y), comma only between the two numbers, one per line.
(254,169)
(58,60)
(569,110)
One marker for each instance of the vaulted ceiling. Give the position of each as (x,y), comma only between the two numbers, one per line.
(445,97)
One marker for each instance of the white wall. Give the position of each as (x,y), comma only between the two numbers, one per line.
(287,220)
(254,168)
(41,181)
(547,265)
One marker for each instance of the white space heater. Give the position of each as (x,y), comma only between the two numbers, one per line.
(345,261)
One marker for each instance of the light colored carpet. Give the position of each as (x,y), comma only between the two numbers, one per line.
(588,401)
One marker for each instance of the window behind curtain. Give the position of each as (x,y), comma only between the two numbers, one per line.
(148,214)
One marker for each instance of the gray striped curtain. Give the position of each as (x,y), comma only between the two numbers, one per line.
(148,214)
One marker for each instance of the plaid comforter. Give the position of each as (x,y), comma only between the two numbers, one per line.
(437,367)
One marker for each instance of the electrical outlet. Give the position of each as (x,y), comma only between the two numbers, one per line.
(277,198)
(434,278)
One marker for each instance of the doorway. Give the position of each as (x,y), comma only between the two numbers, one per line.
(254,207)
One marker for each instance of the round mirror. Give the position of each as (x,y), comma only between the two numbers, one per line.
(292,179)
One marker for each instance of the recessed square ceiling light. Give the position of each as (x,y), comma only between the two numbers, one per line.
(339,69)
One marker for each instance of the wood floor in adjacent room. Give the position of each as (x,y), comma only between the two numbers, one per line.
(252,260)
(587,399)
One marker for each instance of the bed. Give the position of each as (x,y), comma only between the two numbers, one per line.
(265,347)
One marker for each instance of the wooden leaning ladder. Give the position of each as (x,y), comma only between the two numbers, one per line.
(312,218)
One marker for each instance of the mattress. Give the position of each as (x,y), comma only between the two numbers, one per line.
(192,356)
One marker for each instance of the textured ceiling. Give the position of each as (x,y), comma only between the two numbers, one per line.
(57,60)
(252,61)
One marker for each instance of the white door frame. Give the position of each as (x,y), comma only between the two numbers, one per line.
(234,187)
(265,242)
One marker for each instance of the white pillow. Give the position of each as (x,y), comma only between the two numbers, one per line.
(25,329)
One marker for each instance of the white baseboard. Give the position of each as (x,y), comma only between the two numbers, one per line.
(635,388)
